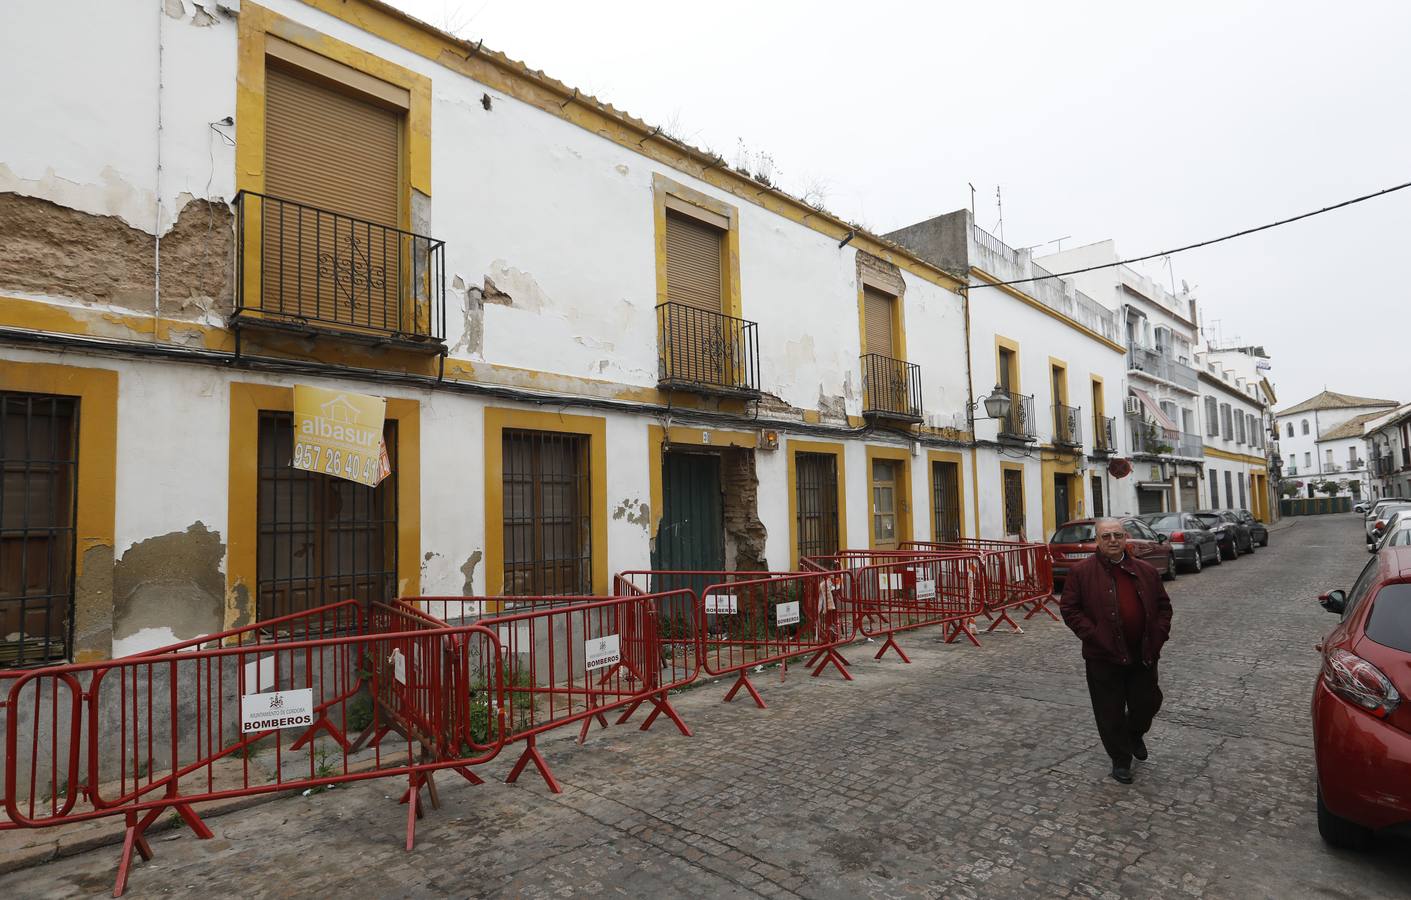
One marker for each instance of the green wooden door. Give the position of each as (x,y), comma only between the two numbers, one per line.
(692,531)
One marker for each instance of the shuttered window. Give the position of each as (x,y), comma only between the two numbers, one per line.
(694,253)
(877,321)
(332,152)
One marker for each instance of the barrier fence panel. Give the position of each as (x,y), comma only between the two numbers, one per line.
(1017,574)
(747,619)
(270,712)
(573,660)
(895,591)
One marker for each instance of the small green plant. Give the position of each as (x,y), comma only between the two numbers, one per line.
(360,713)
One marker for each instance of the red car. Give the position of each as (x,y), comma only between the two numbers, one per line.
(1075,541)
(1361,720)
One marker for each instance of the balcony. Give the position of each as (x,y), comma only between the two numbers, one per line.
(1104,435)
(1331,468)
(310,271)
(1159,365)
(1018,423)
(1382,466)
(706,352)
(1152,441)
(1067,426)
(891,388)
(1405,458)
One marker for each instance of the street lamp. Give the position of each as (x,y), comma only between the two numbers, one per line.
(997,404)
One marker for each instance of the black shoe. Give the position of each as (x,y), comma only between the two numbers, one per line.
(1139,748)
(1122,774)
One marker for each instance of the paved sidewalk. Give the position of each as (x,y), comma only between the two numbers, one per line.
(970,773)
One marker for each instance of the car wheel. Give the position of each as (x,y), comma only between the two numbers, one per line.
(1234,551)
(1170,573)
(1264,541)
(1217,557)
(1196,563)
(1339,832)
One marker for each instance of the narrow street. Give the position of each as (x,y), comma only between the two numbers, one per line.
(970,773)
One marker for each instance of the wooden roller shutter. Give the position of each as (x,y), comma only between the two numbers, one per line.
(334,153)
(694,279)
(877,317)
(693,263)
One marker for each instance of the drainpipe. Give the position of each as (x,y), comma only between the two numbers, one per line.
(157,231)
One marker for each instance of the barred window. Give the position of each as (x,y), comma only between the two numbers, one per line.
(816,503)
(1013,501)
(547,514)
(39,459)
(322,539)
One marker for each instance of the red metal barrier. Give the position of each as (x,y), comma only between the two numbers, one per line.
(573,660)
(739,620)
(895,591)
(166,730)
(1017,574)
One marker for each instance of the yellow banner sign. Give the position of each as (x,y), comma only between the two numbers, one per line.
(340,433)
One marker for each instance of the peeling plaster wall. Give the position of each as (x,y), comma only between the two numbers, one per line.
(88,105)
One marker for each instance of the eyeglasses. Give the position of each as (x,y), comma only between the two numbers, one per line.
(1112,536)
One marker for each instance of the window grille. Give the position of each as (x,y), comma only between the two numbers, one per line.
(816,500)
(547,514)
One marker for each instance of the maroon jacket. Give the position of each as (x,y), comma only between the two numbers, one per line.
(1089,607)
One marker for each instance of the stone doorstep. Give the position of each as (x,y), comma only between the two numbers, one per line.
(21,848)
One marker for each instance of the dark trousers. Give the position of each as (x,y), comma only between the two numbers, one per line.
(1125,700)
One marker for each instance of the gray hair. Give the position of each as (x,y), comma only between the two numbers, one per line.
(1097,526)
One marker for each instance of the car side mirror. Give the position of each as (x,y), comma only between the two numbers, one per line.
(1334,601)
(1161,538)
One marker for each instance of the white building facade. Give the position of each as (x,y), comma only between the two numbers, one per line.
(1056,356)
(601,349)
(1321,441)
(1161,391)
(1234,411)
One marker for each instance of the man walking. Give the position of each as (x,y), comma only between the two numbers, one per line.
(1118,608)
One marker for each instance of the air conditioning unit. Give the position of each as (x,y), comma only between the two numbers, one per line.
(1134,406)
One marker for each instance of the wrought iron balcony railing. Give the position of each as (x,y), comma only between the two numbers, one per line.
(1147,438)
(1158,365)
(1105,434)
(1383,466)
(1018,423)
(891,388)
(1067,425)
(706,352)
(307,268)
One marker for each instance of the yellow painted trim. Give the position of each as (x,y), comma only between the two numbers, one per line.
(898,319)
(1050,466)
(839,454)
(1023,494)
(499,72)
(950,456)
(1013,347)
(681,434)
(242,516)
(95,519)
(1056,363)
(1051,313)
(662,187)
(497,419)
(975,480)
(1099,398)
(904,487)
(1235,457)
(255,24)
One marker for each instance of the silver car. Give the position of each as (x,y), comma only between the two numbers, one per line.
(1377,521)
(1375,513)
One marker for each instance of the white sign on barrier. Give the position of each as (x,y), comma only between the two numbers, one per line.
(399,666)
(925,589)
(721,604)
(601,651)
(273,710)
(889,581)
(787,613)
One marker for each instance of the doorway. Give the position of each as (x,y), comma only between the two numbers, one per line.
(886,532)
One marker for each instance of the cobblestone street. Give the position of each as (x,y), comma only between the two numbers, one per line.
(970,773)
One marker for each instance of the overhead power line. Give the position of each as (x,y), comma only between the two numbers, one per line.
(1195,246)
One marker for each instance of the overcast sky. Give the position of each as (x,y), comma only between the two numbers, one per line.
(1153,124)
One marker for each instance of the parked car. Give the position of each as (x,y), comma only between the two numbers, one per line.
(1257,529)
(1397,532)
(1232,534)
(1361,507)
(1075,541)
(1361,720)
(1378,523)
(1192,543)
(1375,511)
